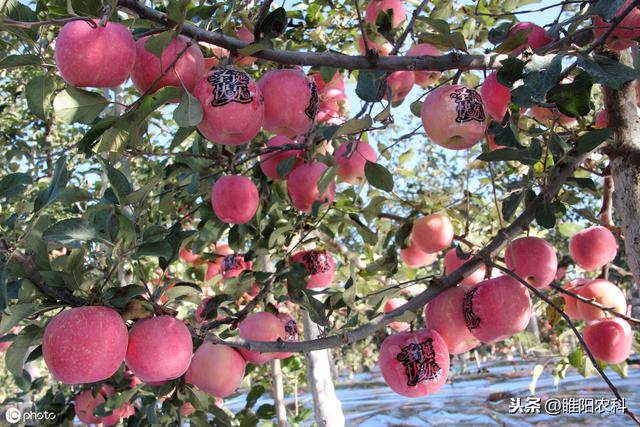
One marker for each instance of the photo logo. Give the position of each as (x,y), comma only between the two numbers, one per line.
(13,415)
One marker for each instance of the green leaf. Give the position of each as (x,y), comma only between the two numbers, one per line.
(285,166)
(573,99)
(14,183)
(256,47)
(378,176)
(155,249)
(57,184)
(416,108)
(15,314)
(19,61)
(266,411)
(156,44)
(119,182)
(74,266)
(74,105)
(184,290)
(546,215)
(607,71)
(327,177)
(70,230)
(120,296)
(591,140)
(510,204)
(371,85)
(510,72)
(189,112)
(86,144)
(503,155)
(274,23)
(19,12)
(38,92)
(113,139)
(514,41)
(353,126)
(18,351)
(254,394)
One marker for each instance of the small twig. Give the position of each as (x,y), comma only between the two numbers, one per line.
(418,10)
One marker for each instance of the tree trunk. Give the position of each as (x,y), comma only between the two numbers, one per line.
(624,152)
(327,407)
(277,390)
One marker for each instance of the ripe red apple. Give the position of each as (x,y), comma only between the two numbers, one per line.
(391,305)
(399,84)
(118,414)
(333,99)
(320,265)
(452,262)
(604,293)
(609,340)
(351,158)
(160,349)
(416,258)
(86,403)
(186,409)
(302,186)
(425,78)
(375,42)
(533,259)
(536,38)
(496,309)
(185,72)
(495,96)
(94,57)
(444,314)
(84,344)
(571,303)
(432,233)
(548,116)
(414,364)
(625,34)
(393,8)
(593,247)
(216,369)
(233,106)
(234,199)
(290,330)
(290,101)
(187,256)
(602,120)
(216,54)
(269,161)
(246,36)
(453,117)
(262,326)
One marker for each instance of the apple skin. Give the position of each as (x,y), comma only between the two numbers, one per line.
(216,369)
(185,73)
(451,263)
(602,119)
(302,186)
(234,199)
(375,7)
(425,78)
(593,248)
(269,161)
(320,265)
(94,57)
(399,84)
(375,42)
(609,340)
(571,303)
(444,314)
(432,233)
(548,116)
(496,309)
(623,36)
(85,404)
(246,36)
(84,344)
(391,305)
(604,293)
(351,166)
(233,265)
(217,53)
(495,96)
(160,349)
(291,330)
(453,117)
(225,94)
(290,101)
(533,259)
(262,326)
(414,364)
(416,258)
(535,39)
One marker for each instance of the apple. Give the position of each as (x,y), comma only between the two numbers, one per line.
(452,262)
(394,8)
(496,309)
(149,69)
(532,259)
(84,344)
(453,117)
(391,305)
(232,104)
(414,364)
(233,265)
(302,186)
(320,265)
(593,248)
(160,349)
(351,158)
(216,369)
(375,42)
(602,120)
(609,340)
(246,36)
(399,84)
(625,34)
(291,332)
(603,292)
(234,199)
(261,326)
(290,101)
(216,53)
(432,233)
(571,303)
(444,314)
(92,56)
(425,78)
(269,161)
(414,257)
(496,97)
(536,38)
(548,116)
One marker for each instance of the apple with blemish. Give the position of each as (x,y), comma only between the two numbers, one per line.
(444,314)
(234,199)
(425,78)
(216,369)
(533,259)
(593,248)
(432,233)
(233,265)
(262,326)
(351,158)
(452,262)
(319,264)
(269,161)
(302,186)
(292,333)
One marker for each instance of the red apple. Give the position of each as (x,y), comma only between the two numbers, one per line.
(85,405)
(393,8)
(291,332)
(375,42)
(351,158)
(548,116)
(320,265)
(94,57)
(216,369)
(246,36)
(234,199)
(425,78)
(602,120)
(536,38)
(216,54)
(260,326)
(453,117)
(593,248)
(432,233)
(452,262)
(391,305)
(269,161)
(495,96)
(604,293)
(609,340)
(233,265)
(533,259)
(414,364)
(302,186)
(571,303)
(232,104)
(414,257)
(84,344)
(627,31)
(399,84)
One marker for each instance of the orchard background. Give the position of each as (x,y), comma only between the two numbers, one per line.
(122,200)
